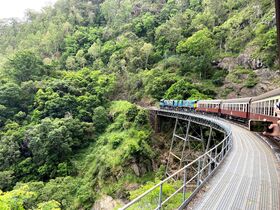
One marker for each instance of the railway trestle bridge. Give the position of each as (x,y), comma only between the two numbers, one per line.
(249,177)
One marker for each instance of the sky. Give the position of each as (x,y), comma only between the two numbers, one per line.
(16,8)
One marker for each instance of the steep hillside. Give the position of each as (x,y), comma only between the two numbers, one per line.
(67,137)
(153,45)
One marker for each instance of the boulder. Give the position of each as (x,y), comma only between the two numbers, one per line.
(107,203)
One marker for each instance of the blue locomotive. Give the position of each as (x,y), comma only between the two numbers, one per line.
(178,104)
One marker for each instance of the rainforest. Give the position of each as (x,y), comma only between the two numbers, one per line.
(75,79)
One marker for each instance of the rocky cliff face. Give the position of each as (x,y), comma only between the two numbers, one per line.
(247,77)
(243,60)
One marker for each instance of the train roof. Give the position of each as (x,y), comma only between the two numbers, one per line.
(210,101)
(269,94)
(237,100)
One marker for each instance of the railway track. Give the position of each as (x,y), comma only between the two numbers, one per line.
(248,179)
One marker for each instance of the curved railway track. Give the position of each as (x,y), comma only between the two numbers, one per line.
(249,178)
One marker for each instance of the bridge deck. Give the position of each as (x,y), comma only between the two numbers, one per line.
(248,179)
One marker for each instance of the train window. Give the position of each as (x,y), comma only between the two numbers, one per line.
(271,102)
(256,107)
(274,107)
(276,101)
(241,107)
(268,107)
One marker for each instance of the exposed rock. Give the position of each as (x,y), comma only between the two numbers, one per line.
(247,62)
(136,169)
(132,187)
(268,80)
(228,63)
(107,203)
(243,60)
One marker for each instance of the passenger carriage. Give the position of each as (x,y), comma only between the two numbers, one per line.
(236,108)
(263,107)
(212,106)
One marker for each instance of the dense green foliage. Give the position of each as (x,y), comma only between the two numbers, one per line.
(64,132)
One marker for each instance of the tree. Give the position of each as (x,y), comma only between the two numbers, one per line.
(146,51)
(24,66)
(95,50)
(201,47)
(49,205)
(16,199)
(158,83)
(6,179)
(100,119)
(9,150)
(52,142)
(11,95)
(116,12)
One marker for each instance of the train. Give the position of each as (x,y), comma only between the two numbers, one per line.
(262,107)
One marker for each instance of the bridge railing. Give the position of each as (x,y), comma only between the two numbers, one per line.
(190,179)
